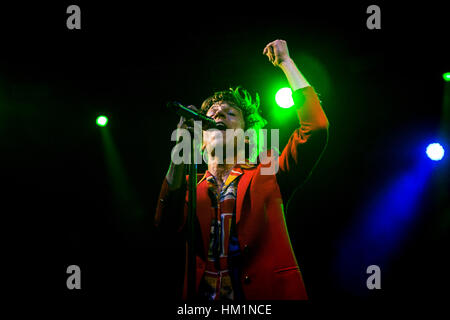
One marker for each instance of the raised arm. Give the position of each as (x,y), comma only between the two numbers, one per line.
(307,142)
(310,114)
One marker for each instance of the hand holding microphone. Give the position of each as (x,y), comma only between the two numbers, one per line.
(189,114)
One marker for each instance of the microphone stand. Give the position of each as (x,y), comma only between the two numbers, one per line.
(192,211)
(192,196)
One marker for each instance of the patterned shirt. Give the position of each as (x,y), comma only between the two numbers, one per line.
(221,278)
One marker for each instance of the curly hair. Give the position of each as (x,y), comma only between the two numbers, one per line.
(240,98)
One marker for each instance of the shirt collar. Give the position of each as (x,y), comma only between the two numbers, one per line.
(234,173)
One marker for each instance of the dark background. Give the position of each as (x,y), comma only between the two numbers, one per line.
(381,90)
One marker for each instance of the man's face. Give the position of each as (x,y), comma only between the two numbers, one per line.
(230,117)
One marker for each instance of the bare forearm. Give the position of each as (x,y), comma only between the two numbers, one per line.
(310,112)
(293,74)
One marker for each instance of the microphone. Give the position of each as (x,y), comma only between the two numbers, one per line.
(207,122)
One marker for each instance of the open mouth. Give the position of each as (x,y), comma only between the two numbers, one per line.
(221,126)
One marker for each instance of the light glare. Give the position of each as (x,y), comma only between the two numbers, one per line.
(102,121)
(446,76)
(284,98)
(435,151)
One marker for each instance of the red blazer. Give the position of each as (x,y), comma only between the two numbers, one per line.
(270,270)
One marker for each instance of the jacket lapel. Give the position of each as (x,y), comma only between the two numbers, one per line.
(242,189)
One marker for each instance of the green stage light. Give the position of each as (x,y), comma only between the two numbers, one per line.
(102,121)
(284,98)
(446,76)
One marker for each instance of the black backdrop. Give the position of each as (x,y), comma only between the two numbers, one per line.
(381,90)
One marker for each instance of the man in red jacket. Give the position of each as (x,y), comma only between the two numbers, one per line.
(244,250)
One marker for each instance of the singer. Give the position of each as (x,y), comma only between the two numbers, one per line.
(243,247)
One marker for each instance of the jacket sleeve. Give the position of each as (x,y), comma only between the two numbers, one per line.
(305,145)
(170,210)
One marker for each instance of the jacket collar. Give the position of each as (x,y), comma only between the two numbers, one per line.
(235,172)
